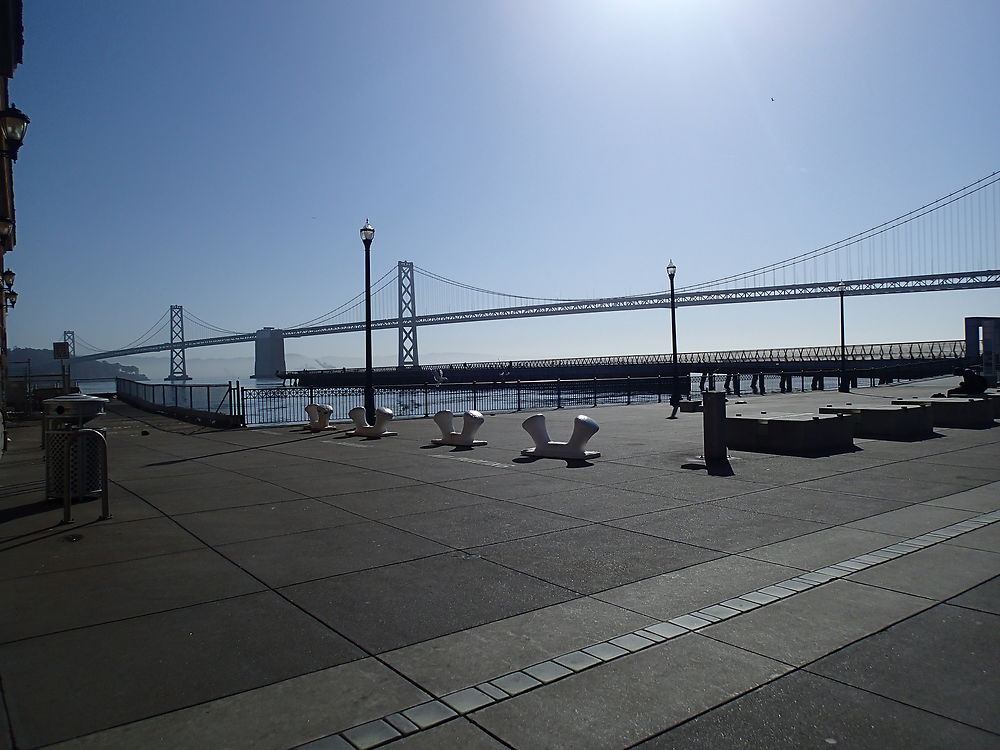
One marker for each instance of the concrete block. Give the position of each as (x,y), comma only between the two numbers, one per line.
(887,422)
(789,434)
(956,411)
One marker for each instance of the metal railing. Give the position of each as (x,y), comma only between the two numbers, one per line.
(205,404)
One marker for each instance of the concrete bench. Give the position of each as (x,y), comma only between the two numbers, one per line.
(789,434)
(887,422)
(993,396)
(955,411)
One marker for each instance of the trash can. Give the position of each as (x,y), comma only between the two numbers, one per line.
(76,457)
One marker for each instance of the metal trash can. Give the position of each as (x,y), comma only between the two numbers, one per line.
(76,457)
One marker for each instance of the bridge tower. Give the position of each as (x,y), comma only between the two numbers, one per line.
(178,366)
(70,338)
(269,353)
(407,317)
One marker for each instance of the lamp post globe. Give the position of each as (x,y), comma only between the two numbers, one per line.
(675,393)
(13,127)
(367,235)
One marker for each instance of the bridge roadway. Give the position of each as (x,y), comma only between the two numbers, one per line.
(862,287)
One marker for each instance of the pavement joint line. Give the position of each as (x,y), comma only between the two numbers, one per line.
(501,688)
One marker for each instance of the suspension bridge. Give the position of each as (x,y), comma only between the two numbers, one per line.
(919,251)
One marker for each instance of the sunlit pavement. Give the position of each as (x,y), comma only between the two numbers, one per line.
(274,588)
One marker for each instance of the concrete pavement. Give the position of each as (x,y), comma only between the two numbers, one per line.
(273,588)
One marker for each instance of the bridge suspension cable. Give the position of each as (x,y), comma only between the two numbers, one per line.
(459,284)
(208,326)
(150,333)
(880,231)
(340,309)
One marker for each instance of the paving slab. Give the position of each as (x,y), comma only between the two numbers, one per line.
(923,469)
(807,504)
(981,499)
(941,660)
(629,699)
(876,483)
(304,556)
(702,585)
(88,596)
(83,545)
(813,623)
(391,502)
(693,484)
(986,538)
(75,682)
(482,653)
(600,503)
(822,548)
(483,523)
(397,605)
(274,717)
(978,458)
(268,519)
(517,486)
(807,711)
(984,597)
(718,528)
(224,491)
(912,521)
(595,557)
(937,572)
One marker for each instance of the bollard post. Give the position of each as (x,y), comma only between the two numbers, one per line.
(714,419)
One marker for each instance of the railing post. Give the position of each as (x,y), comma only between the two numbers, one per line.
(595,392)
(558,393)
(475,403)
(659,390)
(427,411)
(519,395)
(628,390)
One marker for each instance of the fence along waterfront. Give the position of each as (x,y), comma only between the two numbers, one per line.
(233,405)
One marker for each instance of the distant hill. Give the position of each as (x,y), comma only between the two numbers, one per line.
(42,363)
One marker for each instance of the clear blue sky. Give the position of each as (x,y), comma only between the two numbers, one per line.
(222,154)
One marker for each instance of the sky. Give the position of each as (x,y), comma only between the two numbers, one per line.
(222,155)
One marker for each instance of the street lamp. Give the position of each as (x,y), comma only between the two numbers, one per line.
(7,290)
(845,387)
(13,126)
(367,235)
(675,394)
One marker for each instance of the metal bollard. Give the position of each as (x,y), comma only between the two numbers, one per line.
(714,420)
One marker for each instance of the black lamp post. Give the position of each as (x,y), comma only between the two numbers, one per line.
(675,394)
(845,387)
(367,235)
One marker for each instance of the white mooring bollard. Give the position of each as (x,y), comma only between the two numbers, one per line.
(471,422)
(361,427)
(583,429)
(319,417)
